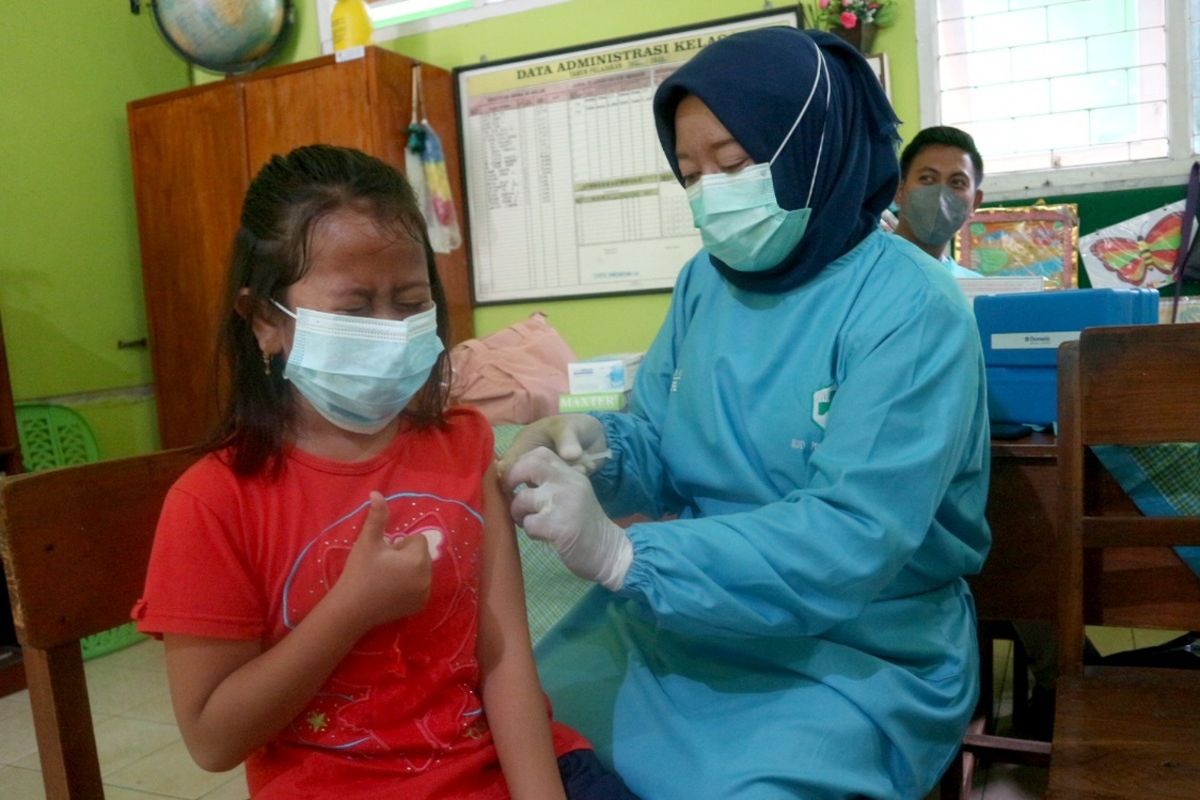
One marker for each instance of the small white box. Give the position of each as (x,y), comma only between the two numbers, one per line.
(607,373)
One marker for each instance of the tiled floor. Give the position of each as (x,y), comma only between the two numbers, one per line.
(141,755)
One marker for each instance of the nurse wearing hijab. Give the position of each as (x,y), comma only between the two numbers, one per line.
(811,424)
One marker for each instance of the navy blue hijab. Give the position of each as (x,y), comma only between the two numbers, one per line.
(755,83)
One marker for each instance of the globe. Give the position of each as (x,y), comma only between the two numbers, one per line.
(224,35)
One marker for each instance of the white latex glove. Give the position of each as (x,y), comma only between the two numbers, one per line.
(557,506)
(578,439)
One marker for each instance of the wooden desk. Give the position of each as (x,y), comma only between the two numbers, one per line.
(1018,580)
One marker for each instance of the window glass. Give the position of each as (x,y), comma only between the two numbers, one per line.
(1056,83)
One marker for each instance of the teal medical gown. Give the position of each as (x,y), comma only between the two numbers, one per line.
(802,629)
(957,270)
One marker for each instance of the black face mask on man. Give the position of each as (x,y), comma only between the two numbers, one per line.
(934,213)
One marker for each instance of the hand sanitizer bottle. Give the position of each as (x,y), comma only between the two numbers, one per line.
(351,24)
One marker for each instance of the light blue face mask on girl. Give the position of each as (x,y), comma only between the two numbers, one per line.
(358,372)
(739,218)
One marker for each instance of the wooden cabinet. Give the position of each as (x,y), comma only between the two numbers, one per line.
(12,673)
(10,453)
(194,152)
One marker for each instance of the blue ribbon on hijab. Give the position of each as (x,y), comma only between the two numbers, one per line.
(755,83)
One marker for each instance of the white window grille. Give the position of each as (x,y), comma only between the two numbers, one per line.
(1066,94)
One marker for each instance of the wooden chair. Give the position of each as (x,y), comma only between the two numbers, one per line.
(980,744)
(1123,732)
(75,543)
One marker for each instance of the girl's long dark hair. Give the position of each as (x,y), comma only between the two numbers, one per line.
(271,250)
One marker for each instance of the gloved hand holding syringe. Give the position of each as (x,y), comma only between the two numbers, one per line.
(578,439)
(546,469)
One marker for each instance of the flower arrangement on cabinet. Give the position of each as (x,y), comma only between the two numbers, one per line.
(850,14)
(853,20)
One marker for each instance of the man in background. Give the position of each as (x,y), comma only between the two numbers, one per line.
(940,174)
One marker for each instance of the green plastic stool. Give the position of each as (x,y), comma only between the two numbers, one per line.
(56,436)
(53,436)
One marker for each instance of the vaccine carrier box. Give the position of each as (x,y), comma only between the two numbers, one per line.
(1021,333)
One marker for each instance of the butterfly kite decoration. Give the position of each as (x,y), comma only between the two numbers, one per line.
(1132,260)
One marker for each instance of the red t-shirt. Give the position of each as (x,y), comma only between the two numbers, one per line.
(248,558)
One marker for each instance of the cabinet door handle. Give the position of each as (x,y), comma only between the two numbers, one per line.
(128,344)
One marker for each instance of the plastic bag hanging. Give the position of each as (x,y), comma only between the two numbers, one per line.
(430,179)
(440,216)
(414,169)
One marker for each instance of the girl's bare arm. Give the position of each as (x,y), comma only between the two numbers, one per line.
(512,695)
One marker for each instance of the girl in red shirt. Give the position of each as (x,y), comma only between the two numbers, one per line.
(337,581)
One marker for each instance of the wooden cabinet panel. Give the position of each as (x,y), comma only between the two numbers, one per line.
(189,167)
(389,80)
(12,671)
(328,104)
(194,152)
(10,452)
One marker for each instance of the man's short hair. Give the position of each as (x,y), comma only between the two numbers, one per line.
(944,135)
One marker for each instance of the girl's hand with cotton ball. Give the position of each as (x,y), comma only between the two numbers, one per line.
(385,578)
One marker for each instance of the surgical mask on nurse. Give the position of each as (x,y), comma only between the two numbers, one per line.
(739,217)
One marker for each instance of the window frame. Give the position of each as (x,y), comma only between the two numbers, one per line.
(483,9)
(1167,171)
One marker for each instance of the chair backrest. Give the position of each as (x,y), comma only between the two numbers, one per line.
(75,543)
(1136,385)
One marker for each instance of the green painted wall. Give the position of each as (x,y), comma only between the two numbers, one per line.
(70,281)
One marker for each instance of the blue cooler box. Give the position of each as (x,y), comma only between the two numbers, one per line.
(1021,334)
